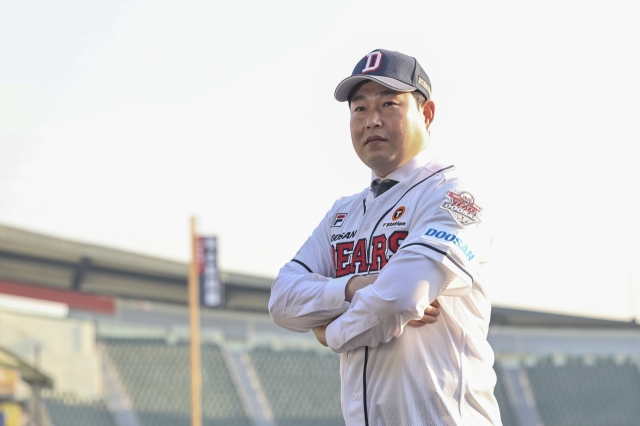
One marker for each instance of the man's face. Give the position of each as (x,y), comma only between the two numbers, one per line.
(388,128)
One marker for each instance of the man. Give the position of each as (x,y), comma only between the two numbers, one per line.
(370,270)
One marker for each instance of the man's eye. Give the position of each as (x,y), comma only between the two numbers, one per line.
(388,103)
(358,109)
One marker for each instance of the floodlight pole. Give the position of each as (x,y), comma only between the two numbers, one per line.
(194,323)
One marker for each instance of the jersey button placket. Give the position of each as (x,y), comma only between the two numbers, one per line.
(352,388)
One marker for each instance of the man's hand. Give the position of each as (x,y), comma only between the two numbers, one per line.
(429,317)
(320,333)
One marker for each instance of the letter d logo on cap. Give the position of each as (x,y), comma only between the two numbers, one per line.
(374,60)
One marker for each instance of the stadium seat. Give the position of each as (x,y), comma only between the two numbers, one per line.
(582,391)
(68,410)
(302,387)
(156,376)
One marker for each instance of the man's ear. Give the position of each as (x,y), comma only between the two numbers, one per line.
(429,111)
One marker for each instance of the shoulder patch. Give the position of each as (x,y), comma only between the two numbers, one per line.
(462,207)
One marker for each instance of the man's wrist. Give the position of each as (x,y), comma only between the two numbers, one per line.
(320,333)
(357,282)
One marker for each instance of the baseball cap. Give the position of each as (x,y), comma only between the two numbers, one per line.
(392,69)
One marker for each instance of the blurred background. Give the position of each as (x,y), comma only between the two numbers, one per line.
(120,119)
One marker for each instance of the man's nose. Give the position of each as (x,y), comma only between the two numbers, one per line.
(374,120)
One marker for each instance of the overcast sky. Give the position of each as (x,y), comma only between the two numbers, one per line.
(120,118)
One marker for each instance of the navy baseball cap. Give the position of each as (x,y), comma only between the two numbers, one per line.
(395,70)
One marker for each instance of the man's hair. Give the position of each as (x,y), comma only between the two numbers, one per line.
(420,98)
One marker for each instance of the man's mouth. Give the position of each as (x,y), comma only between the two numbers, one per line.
(373,139)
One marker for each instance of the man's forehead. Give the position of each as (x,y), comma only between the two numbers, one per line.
(373,89)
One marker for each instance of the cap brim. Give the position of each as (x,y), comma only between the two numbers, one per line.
(346,86)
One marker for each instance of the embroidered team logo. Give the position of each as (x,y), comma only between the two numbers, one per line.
(395,219)
(374,60)
(339,220)
(462,207)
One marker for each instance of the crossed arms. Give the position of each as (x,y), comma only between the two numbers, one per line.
(356,311)
(359,282)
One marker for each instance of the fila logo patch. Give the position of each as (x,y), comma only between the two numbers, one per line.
(339,220)
(374,60)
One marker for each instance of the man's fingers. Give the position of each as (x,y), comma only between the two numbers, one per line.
(429,317)
(432,311)
(426,319)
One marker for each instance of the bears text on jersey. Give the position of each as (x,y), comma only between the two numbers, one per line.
(358,257)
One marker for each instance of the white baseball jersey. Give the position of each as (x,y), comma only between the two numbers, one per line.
(426,239)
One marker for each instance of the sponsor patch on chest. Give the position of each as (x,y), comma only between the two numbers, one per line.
(462,207)
(395,221)
(450,237)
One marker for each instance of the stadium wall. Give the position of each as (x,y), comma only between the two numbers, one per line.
(67,349)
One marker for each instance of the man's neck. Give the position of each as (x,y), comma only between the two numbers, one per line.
(408,168)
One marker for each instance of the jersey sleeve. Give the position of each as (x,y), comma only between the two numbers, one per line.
(450,229)
(379,312)
(305,293)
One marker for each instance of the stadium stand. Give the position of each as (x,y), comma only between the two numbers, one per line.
(586,391)
(302,387)
(65,409)
(156,377)
(552,369)
(500,392)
